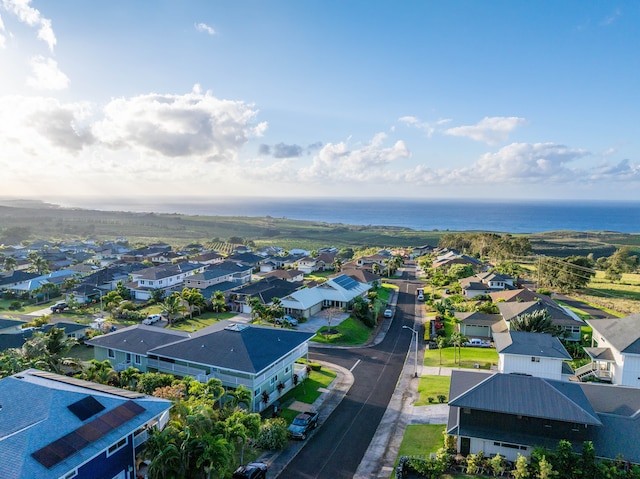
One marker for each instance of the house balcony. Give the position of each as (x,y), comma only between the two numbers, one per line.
(227,379)
(123,366)
(172,368)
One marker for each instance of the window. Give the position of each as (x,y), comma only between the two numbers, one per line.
(117,446)
(256,392)
(137,359)
(111,353)
(69,475)
(286,370)
(535,359)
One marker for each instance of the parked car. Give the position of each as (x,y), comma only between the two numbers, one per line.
(253,470)
(153,318)
(477,343)
(303,424)
(287,320)
(388,313)
(59,307)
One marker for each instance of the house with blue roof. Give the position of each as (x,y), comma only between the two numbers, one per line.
(54,426)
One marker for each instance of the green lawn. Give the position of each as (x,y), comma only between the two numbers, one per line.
(307,391)
(420,440)
(82,352)
(485,357)
(202,321)
(432,386)
(350,332)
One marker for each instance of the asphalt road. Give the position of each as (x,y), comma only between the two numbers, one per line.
(337,448)
(574,303)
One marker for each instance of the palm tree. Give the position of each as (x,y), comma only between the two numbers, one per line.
(129,377)
(538,321)
(100,372)
(165,457)
(240,395)
(47,350)
(337,265)
(9,263)
(218,303)
(456,340)
(173,305)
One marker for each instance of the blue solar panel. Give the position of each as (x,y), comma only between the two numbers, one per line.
(346,282)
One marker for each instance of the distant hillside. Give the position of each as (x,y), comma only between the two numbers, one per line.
(31,220)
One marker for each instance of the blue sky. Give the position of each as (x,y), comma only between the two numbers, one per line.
(431,99)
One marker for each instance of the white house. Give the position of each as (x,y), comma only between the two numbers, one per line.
(534,354)
(166,277)
(615,351)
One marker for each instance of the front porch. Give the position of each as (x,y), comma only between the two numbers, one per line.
(600,366)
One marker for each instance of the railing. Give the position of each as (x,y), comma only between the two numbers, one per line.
(593,369)
(140,438)
(180,370)
(122,366)
(585,370)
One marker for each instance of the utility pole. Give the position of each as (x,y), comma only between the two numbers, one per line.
(415,359)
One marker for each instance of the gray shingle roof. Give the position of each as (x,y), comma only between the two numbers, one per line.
(249,348)
(529,396)
(138,339)
(530,344)
(622,333)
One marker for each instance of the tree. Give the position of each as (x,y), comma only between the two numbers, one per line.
(330,314)
(48,350)
(194,299)
(441,342)
(337,264)
(9,263)
(218,303)
(173,306)
(498,465)
(587,461)
(129,377)
(456,340)
(156,295)
(101,372)
(538,321)
(37,263)
(545,469)
(573,272)
(521,470)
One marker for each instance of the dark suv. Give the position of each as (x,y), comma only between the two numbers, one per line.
(253,470)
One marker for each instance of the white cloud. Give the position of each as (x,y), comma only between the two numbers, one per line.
(3,41)
(203,27)
(490,130)
(339,162)
(610,19)
(33,18)
(45,75)
(192,125)
(531,162)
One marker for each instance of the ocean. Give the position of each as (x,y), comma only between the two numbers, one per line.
(418,214)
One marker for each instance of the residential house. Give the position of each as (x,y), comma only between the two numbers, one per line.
(485,283)
(210,257)
(511,414)
(266,290)
(476,324)
(167,278)
(14,278)
(421,250)
(54,426)
(11,326)
(338,292)
(247,259)
(291,275)
(260,358)
(451,257)
(216,275)
(615,351)
(511,295)
(146,253)
(534,354)
(307,265)
(55,277)
(560,316)
(361,275)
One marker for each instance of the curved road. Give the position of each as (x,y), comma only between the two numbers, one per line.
(337,448)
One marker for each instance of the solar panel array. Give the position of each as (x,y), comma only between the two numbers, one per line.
(346,282)
(85,408)
(87,384)
(62,448)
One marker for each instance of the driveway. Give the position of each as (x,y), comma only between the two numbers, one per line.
(314,323)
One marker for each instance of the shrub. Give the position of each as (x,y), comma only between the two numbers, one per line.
(442,398)
(273,434)
(15,305)
(430,399)
(315,366)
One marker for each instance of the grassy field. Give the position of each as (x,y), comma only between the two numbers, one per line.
(431,387)
(484,357)
(350,332)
